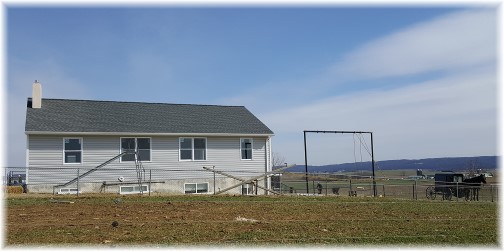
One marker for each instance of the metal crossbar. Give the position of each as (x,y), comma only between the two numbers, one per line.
(94,169)
(243,181)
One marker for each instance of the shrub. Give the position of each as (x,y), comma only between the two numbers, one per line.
(14,189)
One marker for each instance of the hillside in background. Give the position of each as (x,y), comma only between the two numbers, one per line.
(435,164)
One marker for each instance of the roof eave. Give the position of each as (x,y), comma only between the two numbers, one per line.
(148,134)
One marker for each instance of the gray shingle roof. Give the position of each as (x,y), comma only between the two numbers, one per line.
(63,115)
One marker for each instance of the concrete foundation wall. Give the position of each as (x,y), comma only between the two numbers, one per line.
(159,186)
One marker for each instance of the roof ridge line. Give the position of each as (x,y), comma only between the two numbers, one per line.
(136,102)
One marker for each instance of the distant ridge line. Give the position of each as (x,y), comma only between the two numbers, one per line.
(433,164)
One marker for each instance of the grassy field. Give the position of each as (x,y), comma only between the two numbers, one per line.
(241,220)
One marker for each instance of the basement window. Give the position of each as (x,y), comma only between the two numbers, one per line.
(68,191)
(196,188)
(248,189)
(133,189)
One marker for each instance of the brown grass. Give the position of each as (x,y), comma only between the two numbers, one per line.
(258,220)
(14,189)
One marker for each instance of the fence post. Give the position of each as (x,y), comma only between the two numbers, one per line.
(313,186)
(372,191)
(280,181)
(326,185)
(414,189)
(78,181)
(213,168)
(150,179)
(383,190)
(457,187)
(491,192)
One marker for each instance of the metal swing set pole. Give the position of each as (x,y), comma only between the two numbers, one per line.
(372,164)
(306,163)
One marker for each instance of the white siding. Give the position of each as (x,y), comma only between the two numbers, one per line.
(46,159)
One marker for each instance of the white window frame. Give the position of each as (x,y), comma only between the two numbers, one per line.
(192,150)
(81,151)
(134,187)
(251,148)
(249,188)
(207,184)
(68,190)
(136,148)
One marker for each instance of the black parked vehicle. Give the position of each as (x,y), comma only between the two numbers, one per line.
(446,184)
(449,184)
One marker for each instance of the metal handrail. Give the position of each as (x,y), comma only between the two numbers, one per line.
(94,169)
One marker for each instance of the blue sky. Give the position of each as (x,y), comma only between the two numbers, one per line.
(423,79)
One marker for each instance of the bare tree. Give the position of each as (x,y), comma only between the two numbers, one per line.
(278,160)
(472,167)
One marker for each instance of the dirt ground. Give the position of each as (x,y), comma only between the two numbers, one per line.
(36,220)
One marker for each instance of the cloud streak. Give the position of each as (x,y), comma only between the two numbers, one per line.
(55,84)
(451,112)
(451,42)
(445,117)
(442,101)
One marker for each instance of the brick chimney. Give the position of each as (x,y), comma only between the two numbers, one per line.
(37,95)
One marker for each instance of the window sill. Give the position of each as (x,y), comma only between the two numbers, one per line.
(132,161)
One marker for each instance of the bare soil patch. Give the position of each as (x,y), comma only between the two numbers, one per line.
(258,220)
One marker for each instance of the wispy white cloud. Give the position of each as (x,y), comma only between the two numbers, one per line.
(453,114)
(451,42)
(55,84)
(144,65)
(450,115)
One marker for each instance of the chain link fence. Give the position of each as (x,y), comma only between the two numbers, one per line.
(180,181)
(353,185)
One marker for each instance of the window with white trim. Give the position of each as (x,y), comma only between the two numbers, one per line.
(247,189)
(68,191)
(246,149)
(196,188)
(72,150)
(142,145)
(133,189)
(192,148)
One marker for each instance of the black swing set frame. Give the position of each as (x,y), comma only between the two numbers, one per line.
(343,132)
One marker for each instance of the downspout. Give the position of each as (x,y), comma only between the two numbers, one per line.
(267,153)
(27,158)
(266,143)
(266,164)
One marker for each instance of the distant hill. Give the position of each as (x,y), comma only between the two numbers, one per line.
(434,164)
